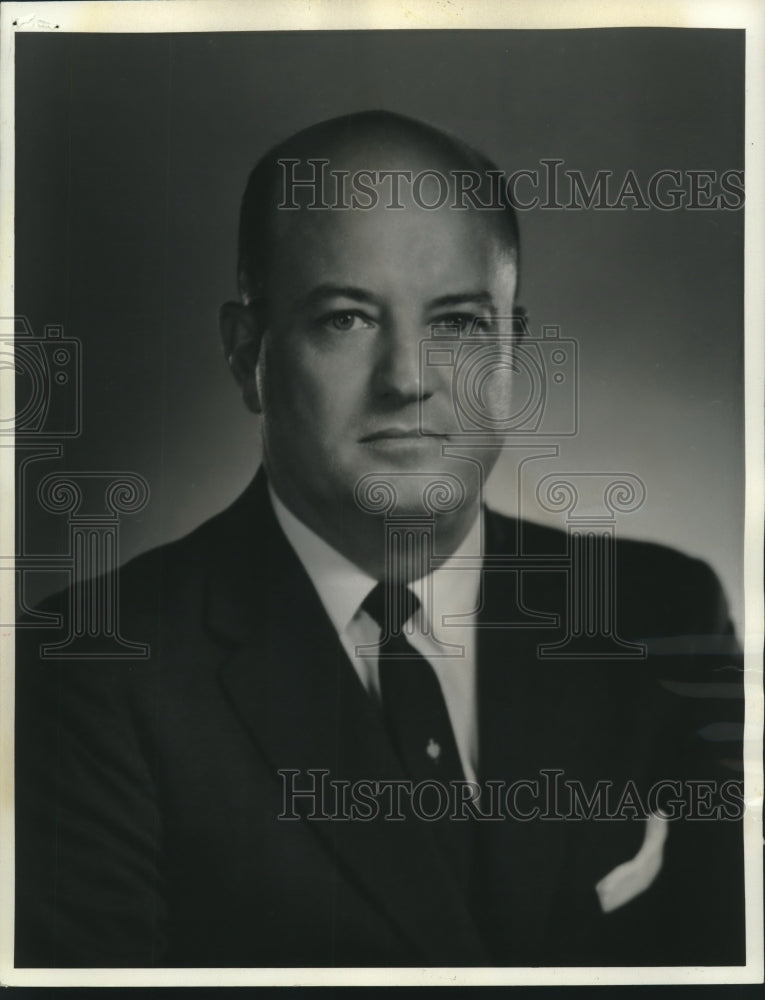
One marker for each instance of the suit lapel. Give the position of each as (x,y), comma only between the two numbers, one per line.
(524,729)
(290,680)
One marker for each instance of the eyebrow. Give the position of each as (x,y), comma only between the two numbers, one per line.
(481,297)
(327,290)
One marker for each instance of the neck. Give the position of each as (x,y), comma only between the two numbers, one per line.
(384,547)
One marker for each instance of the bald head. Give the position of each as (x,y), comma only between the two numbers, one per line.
(361,239)
(365,162)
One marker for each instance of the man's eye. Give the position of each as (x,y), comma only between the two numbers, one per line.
(346,322)
(462,322)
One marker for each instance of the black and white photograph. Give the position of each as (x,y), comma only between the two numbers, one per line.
(382,494)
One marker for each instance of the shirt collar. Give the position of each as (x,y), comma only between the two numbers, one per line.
(342,586)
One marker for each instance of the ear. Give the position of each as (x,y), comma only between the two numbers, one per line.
(241,331)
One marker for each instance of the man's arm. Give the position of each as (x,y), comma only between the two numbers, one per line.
(88,830)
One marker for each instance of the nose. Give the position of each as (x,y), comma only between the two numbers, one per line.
(397,375)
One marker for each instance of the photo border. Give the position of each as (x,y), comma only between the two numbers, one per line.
(139,16)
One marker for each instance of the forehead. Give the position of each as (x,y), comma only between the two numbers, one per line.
(385,246)
(390,249)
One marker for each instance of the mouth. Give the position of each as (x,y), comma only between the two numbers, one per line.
(400,434)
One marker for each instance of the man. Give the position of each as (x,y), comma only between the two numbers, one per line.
(347,633)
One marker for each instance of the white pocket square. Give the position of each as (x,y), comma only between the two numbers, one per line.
(633,877)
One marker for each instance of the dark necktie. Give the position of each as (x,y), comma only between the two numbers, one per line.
(416,716)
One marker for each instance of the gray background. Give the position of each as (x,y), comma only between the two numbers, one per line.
(133,150)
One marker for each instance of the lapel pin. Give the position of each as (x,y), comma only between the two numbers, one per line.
(433,750)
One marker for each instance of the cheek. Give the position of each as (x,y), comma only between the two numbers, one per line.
(500,392)
(307,391)
(482,388)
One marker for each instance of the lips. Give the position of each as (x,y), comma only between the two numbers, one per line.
(399,433)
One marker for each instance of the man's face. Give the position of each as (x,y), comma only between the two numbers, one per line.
(351,297)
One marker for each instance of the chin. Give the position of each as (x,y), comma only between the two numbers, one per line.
(413,492)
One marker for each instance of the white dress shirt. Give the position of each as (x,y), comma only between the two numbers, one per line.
(449,646)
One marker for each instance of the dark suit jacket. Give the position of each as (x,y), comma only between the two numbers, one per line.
(148,798)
